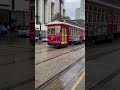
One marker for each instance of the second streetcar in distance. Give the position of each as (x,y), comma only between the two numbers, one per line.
(62,34)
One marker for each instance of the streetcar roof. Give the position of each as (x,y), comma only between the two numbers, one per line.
(53,23)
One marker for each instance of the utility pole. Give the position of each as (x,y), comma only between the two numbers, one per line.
(60,8)
(11,12)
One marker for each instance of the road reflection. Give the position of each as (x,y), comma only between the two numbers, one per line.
(16,62)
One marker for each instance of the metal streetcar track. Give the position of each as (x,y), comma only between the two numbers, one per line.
(50,50)
(10,87)
(13,62)
(59,74)
(59,55)
(108,78)
(99,55)
(105,80)
(45,51)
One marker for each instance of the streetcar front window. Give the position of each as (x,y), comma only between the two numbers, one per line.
(52,31)
(57,30)
(49,31)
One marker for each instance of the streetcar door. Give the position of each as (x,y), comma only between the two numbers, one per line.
(64,35)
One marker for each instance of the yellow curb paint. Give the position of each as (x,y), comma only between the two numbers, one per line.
(78,81)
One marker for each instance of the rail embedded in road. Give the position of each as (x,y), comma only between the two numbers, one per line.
(101,54)
(59,74)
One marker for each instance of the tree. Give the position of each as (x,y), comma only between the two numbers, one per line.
(57,17)
(66,17)
(81,22)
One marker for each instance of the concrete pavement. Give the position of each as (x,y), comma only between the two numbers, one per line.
(53,62)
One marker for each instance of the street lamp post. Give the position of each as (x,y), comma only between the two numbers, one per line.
(40,30)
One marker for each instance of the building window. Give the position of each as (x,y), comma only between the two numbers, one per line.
(99,9)
(90,17)
(103,10)
(86,7)
(98,17)
(95,9)
(90,8)
(102,17)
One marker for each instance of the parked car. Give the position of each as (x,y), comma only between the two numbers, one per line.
(23,31)
(44,39)
(3,29)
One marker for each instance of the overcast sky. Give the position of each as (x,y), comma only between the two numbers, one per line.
(70,6)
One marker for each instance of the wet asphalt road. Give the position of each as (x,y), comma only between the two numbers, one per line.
(103,70)
(16,67)
(16,63)
(59,69)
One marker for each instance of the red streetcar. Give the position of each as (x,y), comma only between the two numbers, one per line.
(62,34)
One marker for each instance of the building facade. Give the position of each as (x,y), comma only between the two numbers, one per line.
(12,12)
(44,11)
(21,14)
(82,10)
(55,7)
(102,20)
(32,10)
(42,15)
(77,13)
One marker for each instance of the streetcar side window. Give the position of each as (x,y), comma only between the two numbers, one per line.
(70,31)
(65,30)
(79,32)
(74,31)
